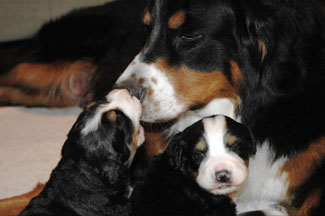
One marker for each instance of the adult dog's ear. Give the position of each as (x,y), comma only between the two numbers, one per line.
(272,37)
(176,152)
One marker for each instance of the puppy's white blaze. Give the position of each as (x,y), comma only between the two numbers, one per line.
(160,102)
(215,130)
(117,99)
(219,158)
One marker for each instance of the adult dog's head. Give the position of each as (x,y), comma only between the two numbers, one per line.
(201,50)
(214,152)
(106,136)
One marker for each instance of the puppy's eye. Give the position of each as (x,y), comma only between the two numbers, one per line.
(199,155)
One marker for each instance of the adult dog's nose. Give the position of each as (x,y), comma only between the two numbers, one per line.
(134,90)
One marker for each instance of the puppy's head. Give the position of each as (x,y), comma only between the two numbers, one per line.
(107,134)
(214,151)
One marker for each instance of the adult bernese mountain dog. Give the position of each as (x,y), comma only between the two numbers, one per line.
(202,167)
(260,62)
(92,177)
(263,61)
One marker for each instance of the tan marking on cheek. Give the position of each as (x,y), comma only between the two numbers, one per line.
(311,201)
(155,144)
(201,146)
(198,87)
(133,147)
(231,140)
(236,73)
(147,17)
(194,173)
(305,161)
(111,115)
(176,20)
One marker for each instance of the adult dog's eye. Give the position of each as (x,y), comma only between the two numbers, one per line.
(190,37)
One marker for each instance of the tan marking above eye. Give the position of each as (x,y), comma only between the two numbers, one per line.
(111,115)
(231,139)
(176,20)
(147,17)
(201,146)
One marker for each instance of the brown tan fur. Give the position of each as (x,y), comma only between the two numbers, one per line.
(313,155)
(147,17)
(306,161)
(231,140)
(14,205)
(311,201)
(201,146)
(155,144)
(177,20)
(45,84)
(195,87)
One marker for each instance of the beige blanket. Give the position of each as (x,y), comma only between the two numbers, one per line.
(30,145)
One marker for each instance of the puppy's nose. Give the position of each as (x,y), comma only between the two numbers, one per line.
(134,90)
(223,176)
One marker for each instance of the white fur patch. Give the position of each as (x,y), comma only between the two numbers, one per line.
(219,158)
(265,187)
(218,106)
(161,101)
(117,99)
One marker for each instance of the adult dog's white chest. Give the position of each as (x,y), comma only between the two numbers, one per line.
(266,186)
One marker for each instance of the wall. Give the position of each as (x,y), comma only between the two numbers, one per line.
(22,18)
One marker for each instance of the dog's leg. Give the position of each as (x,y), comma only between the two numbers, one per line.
(56,84)
(12,206)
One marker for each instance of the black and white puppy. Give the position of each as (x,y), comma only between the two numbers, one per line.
(201,165)
(92,177)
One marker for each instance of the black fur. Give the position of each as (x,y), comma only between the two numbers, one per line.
(109,36)
(92,177)
(283,83)
(169,187)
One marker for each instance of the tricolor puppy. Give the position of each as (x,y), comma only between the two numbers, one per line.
(92,177)
(200,165)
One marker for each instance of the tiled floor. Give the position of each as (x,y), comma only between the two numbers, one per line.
(22,18)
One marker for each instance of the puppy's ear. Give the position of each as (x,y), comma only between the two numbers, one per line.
(114,174)
(176,152)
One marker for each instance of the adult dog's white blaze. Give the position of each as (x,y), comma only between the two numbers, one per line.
(161,101)
(219,158)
